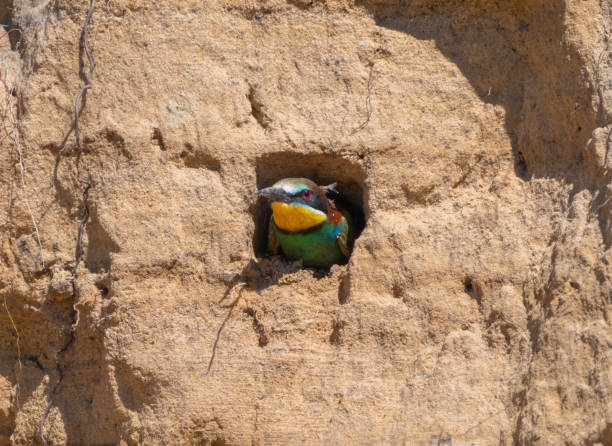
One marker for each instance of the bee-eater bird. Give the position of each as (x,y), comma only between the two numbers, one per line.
(306,224)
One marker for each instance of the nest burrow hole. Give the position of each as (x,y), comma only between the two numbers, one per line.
(7,22)
(323,169)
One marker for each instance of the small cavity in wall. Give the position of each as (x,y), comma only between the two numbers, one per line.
(9,29)
(323,169)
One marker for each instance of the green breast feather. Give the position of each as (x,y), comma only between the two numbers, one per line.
(320,247)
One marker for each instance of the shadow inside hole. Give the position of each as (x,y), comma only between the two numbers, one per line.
(9,29)
(323,169)
(6,13)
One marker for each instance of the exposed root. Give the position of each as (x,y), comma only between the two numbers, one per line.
(15,139)
(87,85)
(17,340)
(231,306)
(14,44)
(76,314)
(608,148)
(84,219)
(80,97)
(13,135)
(60,378)
(602,205)
(369,109)
(9,32)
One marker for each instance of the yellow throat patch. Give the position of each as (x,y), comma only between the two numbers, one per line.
(295,218)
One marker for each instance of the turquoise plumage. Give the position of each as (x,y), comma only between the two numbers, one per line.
(318,248)
(306,225)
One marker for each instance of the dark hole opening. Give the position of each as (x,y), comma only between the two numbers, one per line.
(323,169)
(6,14)
(7,22)
(468,285)
(521,165)
(103,288)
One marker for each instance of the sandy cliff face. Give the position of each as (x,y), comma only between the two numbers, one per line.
(476,307)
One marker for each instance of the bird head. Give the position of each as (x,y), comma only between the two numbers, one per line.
(299,204)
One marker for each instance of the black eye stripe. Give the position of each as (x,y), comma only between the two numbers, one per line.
(314,201)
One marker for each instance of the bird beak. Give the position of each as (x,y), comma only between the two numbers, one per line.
(275,194)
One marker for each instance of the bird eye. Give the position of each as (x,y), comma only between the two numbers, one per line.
(306,194)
